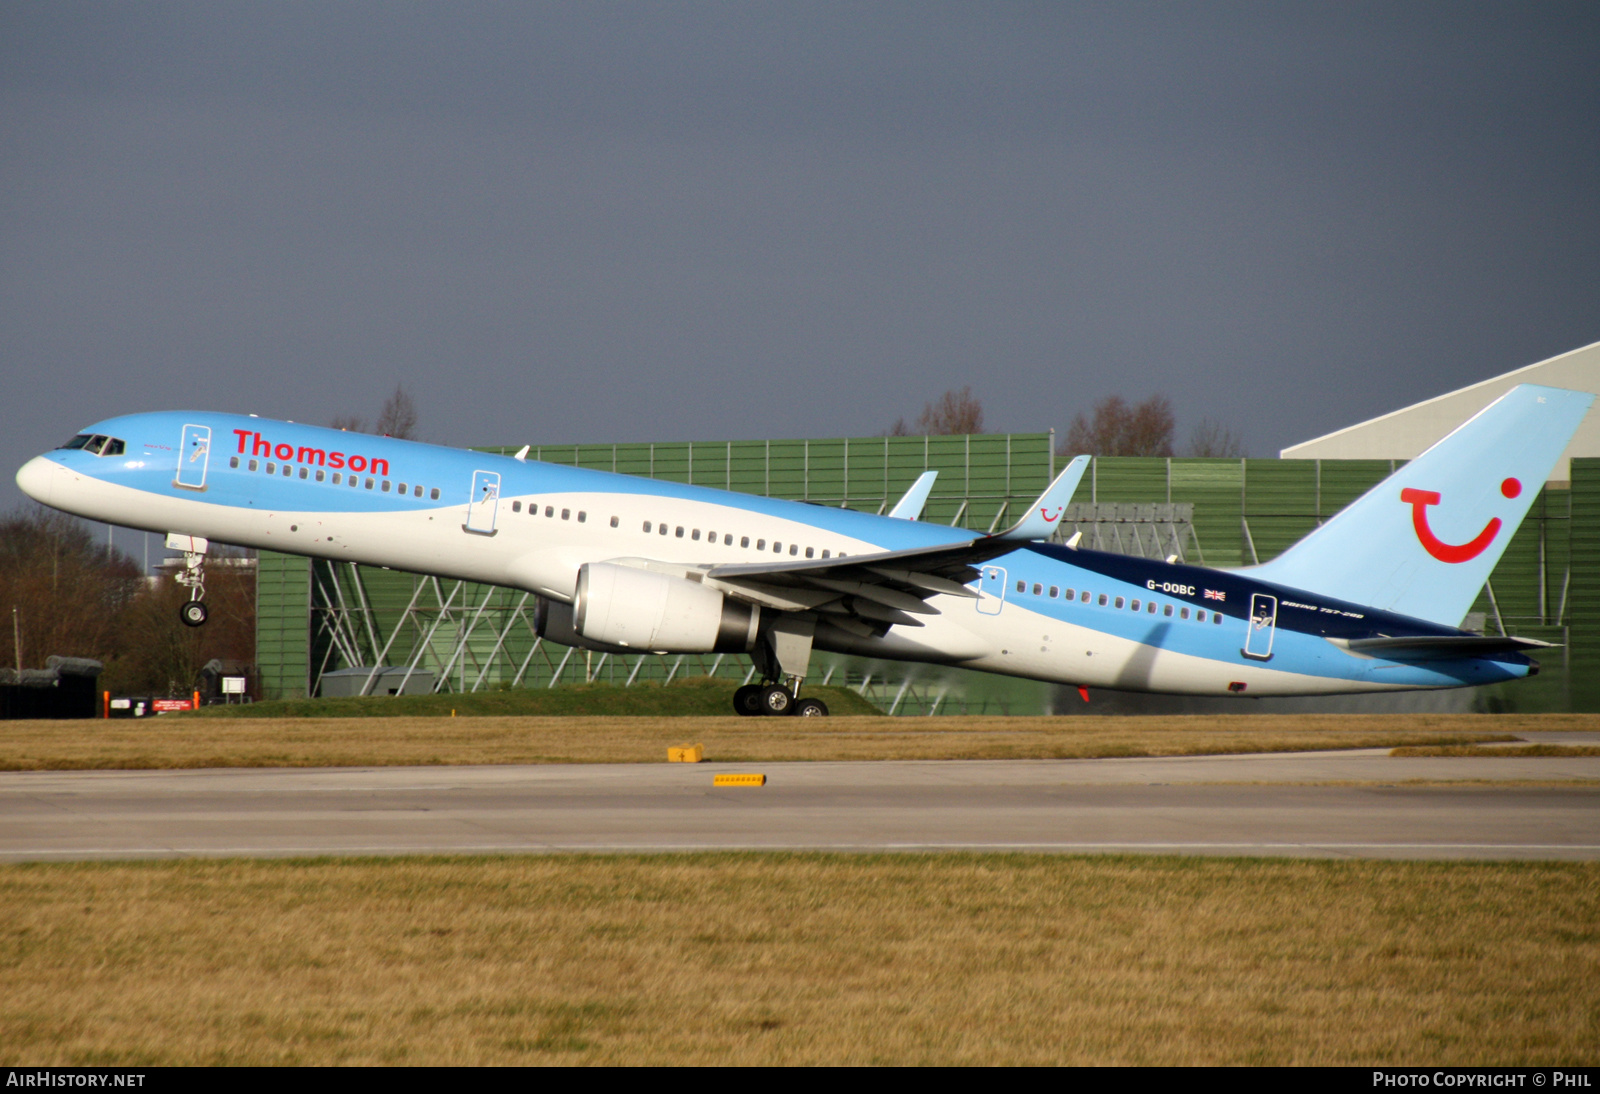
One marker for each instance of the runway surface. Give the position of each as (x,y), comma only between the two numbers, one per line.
(1220,805)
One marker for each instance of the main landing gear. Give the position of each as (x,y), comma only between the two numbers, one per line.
(783,651)
(192,576)
(774,699)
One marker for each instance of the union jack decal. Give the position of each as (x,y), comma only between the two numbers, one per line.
(1216,594)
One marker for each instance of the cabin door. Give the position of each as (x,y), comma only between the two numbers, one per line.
(194,454)
(485,503)
(992,590)
(1263,625)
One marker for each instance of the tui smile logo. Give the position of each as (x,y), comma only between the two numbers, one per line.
(1419,500)
(1045,513)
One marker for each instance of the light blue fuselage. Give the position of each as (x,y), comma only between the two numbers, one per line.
(1145,625)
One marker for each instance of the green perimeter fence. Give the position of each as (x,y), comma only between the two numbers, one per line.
(315,617)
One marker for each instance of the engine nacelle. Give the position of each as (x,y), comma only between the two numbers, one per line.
(645,610)
(552,620)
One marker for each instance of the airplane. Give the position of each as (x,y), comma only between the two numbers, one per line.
(1369,601)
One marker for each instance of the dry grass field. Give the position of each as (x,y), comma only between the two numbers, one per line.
(800,959)
(176,741)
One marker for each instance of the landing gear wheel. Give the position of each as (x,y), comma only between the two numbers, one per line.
(193,613)
(776,699)
(810,708)
(747,700)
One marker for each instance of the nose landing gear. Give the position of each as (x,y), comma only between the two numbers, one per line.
(192,576)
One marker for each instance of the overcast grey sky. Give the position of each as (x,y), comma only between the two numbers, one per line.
(597,222)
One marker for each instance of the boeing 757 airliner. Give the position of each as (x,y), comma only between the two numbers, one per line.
(1370,601)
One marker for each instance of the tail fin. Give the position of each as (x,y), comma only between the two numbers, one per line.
(1423,542)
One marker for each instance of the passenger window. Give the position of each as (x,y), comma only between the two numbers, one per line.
(1055,591)
(337,478)
(321,475)
(1135,605)
(1200,616)
(1071,595)
(761,545)
(1167,611)
(305,472)
(385,486)
(566,514)
(1183,613)
(403,490)
(696,535)
(233,461)
(1022,586)
(416,492)
(711,537)
(809,552)
(614,522)
(1087,594)
(1118,603)
(662,529)
(680,531)
(1102,600)
(744,541)
(433,494)
(516,507)
(582,516)
(1037,588)
(794,548)
(727,540)
(1216,617)
(549,510)
(646,527)
(272,469)
(369,484)
(287,470)
(1151,608)
(777,548)
(824,552)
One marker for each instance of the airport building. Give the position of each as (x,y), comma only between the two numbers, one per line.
(317,620)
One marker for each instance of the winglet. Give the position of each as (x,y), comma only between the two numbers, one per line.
(1044,516)
(909,507)
(522,454)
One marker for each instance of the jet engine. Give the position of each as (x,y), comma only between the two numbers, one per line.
(552,620)
(645,610)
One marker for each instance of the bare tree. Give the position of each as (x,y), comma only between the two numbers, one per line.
(1212,438)
(398,418)
(951,413)
(75,597)
(1120,429)
(68,592)
(352,423)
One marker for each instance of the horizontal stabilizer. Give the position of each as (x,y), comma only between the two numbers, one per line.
(909,507)
(1445,646)
(1044,516)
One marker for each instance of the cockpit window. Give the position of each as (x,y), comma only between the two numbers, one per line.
(97,444)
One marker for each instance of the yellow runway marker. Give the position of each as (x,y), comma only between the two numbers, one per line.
(686,754)
(739,780)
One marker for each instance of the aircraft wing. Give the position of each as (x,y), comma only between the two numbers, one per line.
(882,587)
(893,587)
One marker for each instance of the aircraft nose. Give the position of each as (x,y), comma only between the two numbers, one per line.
(37,478)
